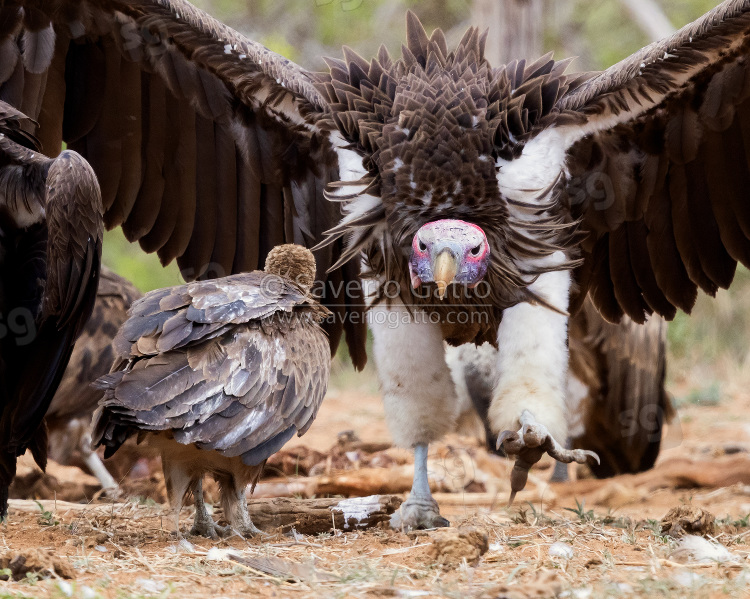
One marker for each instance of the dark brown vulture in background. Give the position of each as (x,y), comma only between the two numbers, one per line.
(474,197)
(69,415)
(616,401)
(51,240)
(217,376)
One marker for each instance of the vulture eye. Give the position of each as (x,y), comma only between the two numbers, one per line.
(475,251)
(422,246)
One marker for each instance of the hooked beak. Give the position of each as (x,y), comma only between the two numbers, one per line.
(444,270)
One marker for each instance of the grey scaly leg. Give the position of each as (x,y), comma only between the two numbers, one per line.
(420,510)
(203,524)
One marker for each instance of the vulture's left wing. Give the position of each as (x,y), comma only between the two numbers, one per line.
(209,147)
(659,167)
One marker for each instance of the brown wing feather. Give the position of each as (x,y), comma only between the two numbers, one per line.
(265,113)
(624,367)
(674,117)
(93,354)
(51,272)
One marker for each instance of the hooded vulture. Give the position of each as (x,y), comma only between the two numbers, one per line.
(217,376)
(471,198)
(69,415)
(615,400)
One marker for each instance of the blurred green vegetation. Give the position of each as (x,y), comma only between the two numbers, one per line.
(599,32)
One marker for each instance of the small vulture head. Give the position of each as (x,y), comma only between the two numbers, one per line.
(449,251)
(292,262)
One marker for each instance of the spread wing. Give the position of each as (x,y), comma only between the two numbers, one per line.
(51,247)
(239,366)
(207,145)
(93,353)
(623,367)
(660,170)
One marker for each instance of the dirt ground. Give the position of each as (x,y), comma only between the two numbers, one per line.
(580,539)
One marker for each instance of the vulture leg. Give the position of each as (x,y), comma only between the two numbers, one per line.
(529,444)
(419,397)
(203,524)
(178,481)
(234,504)
(420,510)
(532,376)
(95,464)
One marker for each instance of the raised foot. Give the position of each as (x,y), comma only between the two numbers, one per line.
(418,513)
(529,444)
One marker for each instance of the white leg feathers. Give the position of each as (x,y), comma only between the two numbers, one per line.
(418,391)
(533,359)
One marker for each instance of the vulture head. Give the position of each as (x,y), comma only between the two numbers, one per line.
(449,251)
(293,262)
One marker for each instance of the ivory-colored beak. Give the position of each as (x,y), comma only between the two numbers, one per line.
(444,271)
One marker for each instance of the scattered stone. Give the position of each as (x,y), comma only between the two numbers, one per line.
(149,585)
(451,546)
(560,549)
(687,520)
(65,588)
(35,561)
(594,561)
(697,550)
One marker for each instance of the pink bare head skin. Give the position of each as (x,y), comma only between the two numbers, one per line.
(449,251)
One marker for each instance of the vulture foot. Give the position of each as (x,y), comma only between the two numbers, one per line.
(529,444)
(209,529)
(249,531)
(418,513)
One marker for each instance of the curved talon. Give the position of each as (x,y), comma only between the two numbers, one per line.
(503,437)
(529,445)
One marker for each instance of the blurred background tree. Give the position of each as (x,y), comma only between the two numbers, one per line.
(598,32)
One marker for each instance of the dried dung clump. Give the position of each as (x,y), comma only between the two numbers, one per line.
(451,546)
(687,520)
(35,561)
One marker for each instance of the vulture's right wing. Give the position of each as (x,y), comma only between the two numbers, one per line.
(208,146)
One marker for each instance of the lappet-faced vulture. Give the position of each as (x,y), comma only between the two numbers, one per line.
(473,195)
(50,247)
